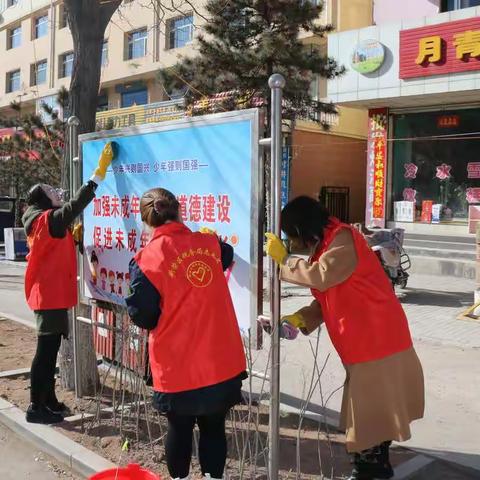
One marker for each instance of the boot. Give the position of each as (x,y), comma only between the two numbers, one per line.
(373,463)
(385,469)
(361,468)
(208,477)
(41,414)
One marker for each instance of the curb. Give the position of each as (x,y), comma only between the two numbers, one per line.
(16,318)
(79,459)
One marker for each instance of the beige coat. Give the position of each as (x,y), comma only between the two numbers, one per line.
(382,397)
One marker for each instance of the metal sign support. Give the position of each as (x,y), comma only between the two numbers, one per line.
(73,123)
(276,83)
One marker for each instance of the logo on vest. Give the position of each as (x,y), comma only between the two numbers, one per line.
(199,274)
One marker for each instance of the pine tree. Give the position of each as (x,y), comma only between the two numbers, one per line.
(245,41)
(33,153)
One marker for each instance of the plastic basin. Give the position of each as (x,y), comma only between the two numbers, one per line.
(130,472)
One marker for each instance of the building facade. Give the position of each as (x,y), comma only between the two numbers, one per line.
(419,77)
(36,52)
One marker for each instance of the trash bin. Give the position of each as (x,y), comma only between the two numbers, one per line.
(131,472)
(15,244)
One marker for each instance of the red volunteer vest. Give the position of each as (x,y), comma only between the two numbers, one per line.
(197,341)
(363,316)
(51,276)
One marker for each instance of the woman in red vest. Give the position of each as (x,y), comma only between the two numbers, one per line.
(51,281)
(384,389)
(179,293)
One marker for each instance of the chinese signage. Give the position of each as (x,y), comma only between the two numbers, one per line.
(440,49)
(140,114)
(285,173)
(207,164)
(448,121)
(376,167)
(473,169)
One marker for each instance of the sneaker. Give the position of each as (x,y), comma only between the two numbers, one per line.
(58,407)
(41,414)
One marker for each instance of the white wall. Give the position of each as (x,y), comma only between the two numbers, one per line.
(384,88)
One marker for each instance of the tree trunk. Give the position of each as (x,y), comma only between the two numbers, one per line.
(87,20)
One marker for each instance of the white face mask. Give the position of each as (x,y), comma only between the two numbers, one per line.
(54,194)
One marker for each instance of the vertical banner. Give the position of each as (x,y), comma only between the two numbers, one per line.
(285,172)
(376,167)
(210,163)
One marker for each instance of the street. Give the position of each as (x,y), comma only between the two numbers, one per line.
(22,461)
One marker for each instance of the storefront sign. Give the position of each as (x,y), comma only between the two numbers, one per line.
(376,167)
(448,121)
(368,56)
(440,49)
(140,114)
(473,169)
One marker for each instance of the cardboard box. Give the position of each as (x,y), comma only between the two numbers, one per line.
(404,211)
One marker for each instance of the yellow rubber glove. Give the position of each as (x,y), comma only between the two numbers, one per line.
(275,248)
(295,319)
(104,161)
(207,230)
(77,232)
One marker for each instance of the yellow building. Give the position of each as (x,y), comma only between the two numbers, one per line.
(36,52)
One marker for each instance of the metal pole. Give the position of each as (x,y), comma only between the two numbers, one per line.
(276,82)
(73,123)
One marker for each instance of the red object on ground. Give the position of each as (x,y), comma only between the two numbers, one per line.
(131,472)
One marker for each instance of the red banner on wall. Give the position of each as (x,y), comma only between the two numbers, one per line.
(440,49)
(376,167)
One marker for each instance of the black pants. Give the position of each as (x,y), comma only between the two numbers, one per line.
(42,374)
(212,444)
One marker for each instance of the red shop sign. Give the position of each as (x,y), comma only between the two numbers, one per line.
(448,121)
(440,49)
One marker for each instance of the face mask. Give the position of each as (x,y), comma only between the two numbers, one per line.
(55,195)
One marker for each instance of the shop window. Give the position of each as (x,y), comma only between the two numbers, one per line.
(137,44)
(66,65)
(38,73)
(450,5)
(13,81)
(41,26)
(136,97)
(180,31)
(436,160)
(14,37)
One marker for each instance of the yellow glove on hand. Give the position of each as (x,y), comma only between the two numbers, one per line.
(275,248)
(77,232)
(207,230)
(296,320)
(104,161)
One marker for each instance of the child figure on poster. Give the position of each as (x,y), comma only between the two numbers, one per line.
(111,280)
(120,283)
(103,278)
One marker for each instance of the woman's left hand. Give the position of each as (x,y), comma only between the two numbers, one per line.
(275,248)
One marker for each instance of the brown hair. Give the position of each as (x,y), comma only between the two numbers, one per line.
(159,206)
